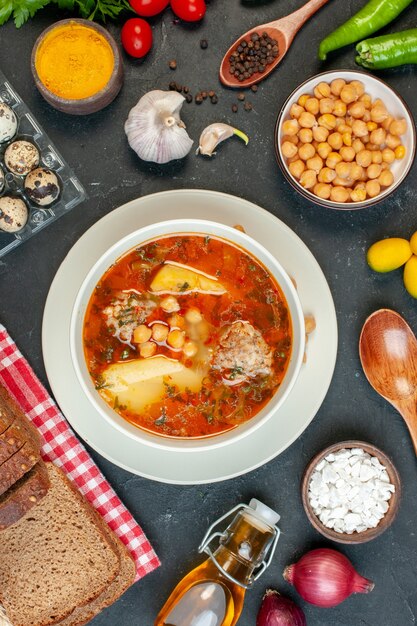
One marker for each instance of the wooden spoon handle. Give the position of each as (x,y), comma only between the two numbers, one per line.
(293,22)
(409,412)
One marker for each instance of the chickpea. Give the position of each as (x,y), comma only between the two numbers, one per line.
(398,127)
(342,182)
(392,141)
(366,116)
(315,145)
(347,153)
(297,168)
(367,100)
(333,159)
(176,321)
(169,304)
(358,145)
(387,123)
(324,149)
(371,146)
(343,169)
(292,159)
(326,175)
(147,349)
(159,332)
(339,194)
(291,138)
(306,151)
(378,112)
(358,86)
(357,109)
(359,128)
(337,85)
(308,179)
(305,135)
(348,94)
(388,155)
(312,106)
(320,133)
(340,122)
(386,178)
(176,339)
(303,99)
(373,188)
(193,315)
(289,149)
(142,333)
(315,163)
(327,120)
(322,90)
(358,194)
(344,128)
(373,171)
(322,190)
(365,138)
(291,127)
(347,138)
(296,110)
(377,157)
(399,152)
(190,349)
(335,140)
(385,165)
(378,136)
(326,105)
(307,120)
(339,108)
(364,158)
(356,171)
(371,126)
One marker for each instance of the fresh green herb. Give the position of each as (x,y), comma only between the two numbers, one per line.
(125,354)
(184,286)
(170,390)
(237,370)
(100,384)
(252,267)
(209,417)
(207,239)
(218,272)
(162,418)
(22,10)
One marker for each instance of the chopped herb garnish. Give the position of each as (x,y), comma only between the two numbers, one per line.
(100,383)
(125,354)
(235,371)
(184,286)
(252,267)
(170,390)
(207,239)
(162,418)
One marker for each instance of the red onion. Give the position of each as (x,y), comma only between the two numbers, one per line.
(326,577)
(277,610)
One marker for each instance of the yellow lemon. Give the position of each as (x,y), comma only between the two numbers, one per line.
(410,276)
(413,243)
(388,254)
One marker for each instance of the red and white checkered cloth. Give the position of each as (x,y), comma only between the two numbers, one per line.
(62,447)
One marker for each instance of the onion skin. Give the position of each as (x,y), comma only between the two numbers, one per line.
(277,610)
(325,578)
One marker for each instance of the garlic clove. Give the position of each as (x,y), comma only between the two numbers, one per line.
(215,134)
(155,130)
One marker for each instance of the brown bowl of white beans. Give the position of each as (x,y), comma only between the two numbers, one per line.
(345,139)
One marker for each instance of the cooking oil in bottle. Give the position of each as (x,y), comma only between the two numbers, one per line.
(213,593)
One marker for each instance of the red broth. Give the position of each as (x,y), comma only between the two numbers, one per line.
(231,348)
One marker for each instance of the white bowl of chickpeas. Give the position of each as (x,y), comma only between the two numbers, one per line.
(345,139)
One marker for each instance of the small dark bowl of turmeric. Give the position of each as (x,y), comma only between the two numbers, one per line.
(77,66)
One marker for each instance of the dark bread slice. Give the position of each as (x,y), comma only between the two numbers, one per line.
(19,430)
(17,466)
(55,558)
(23,495)
(121,583)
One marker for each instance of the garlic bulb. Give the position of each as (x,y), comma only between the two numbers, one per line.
(155,130)
(215,134)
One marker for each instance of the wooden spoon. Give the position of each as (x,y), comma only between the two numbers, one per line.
(283,30)
(388,353)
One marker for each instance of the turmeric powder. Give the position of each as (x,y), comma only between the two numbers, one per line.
(74,61)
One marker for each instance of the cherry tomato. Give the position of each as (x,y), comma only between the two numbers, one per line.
(148,8)
(137,37)
(189,10)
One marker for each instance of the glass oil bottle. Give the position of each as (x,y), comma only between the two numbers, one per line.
(213,593)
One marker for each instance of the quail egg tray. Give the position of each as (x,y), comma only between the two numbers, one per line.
(71,190)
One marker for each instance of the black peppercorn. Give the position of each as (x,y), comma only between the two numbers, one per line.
(214,99)
(189,97)
(172,86)
(204,95)
(234,108)
(254,88)
(204,44)
(198,99)
(247,106)
(241,96)
(173,64)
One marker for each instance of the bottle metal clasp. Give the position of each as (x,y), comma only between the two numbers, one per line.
(210,536)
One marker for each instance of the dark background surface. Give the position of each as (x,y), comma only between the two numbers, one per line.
(175,518)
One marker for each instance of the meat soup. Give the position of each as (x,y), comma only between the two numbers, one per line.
(187,336)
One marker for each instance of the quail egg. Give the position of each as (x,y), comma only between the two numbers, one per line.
(42,186)
(8,122)
(13,214)
(1,180)
(21,157)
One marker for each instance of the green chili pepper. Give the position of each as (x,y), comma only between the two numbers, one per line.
(388,51)
(372,17)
